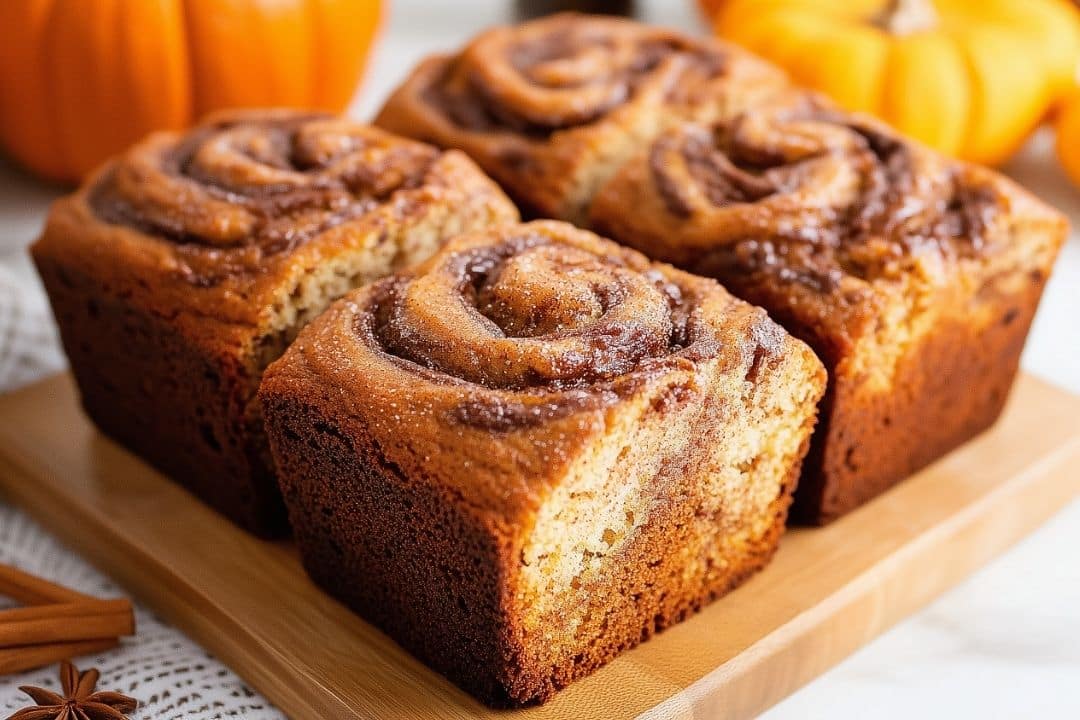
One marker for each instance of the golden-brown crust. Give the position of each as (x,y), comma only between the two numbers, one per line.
(549,107)
(563,447)
(949,386)
(195,258)
(876,251)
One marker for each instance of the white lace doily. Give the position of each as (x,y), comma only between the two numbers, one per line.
(29,348)
(171,676)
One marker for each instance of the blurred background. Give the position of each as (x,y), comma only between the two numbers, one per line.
(989,80)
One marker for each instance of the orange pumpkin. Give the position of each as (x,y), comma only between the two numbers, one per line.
(709,8)
(80,81)
(969,77)
(1068,135)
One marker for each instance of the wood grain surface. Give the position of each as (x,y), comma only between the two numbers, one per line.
(827,592)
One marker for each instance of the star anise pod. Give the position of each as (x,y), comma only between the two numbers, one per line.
(79,701)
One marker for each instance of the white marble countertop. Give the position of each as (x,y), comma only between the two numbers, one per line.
(1004,644)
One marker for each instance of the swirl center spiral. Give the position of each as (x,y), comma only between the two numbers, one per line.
(559,73)
(257,182)
(532,312)
(814,195)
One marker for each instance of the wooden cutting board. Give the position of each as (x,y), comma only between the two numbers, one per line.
(827,592)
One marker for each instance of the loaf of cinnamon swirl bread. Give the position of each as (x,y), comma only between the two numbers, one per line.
(913,277)
(189,263)
(536,450)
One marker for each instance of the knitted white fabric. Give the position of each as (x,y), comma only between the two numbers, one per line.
(28,345)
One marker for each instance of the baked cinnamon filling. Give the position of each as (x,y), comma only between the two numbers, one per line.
(557,74)
(814,195)
(233,193)
(547,317)
(533,312)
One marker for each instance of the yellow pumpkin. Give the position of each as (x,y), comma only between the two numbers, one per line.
(969,77)
(82,80)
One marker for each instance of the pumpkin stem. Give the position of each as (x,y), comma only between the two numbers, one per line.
(904,17)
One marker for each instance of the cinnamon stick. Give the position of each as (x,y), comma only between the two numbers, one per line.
(14,660)
(32,590)
(66,622)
